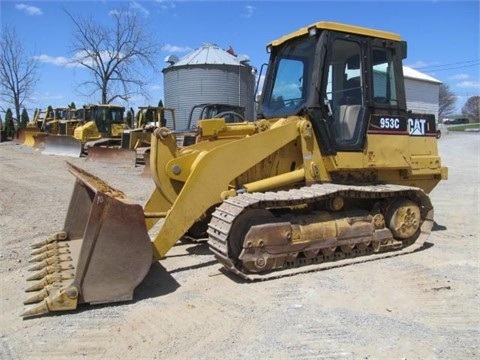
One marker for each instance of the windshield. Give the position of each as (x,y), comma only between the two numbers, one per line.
(287,85)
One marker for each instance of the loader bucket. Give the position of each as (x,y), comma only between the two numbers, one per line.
(101,255)
(63,145)
(113,155)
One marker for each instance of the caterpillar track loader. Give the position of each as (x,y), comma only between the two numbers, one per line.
(334,171)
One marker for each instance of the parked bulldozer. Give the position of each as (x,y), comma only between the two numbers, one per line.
(45,122)
(334,171)
(134,144)
(147,120)
(94,125)
(150,118)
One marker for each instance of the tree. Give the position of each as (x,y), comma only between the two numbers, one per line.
(446,102)
(49,113)
(9,125)
(18,71)
(24,118)
(472,108)
(117,58)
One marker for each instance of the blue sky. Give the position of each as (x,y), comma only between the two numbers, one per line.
(442,36)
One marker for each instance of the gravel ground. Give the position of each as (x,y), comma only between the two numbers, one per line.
(418,306)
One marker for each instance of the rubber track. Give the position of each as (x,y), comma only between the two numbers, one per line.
(225,215)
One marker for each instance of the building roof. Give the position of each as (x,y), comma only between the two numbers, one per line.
(411,73)
(209,54)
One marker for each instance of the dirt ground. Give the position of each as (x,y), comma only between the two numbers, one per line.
(423,305)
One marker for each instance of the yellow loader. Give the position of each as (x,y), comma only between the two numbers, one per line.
(334,171)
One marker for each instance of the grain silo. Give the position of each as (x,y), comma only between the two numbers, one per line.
(208,75)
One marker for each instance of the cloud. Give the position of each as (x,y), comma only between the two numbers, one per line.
(57,61)
(175,49)
(46,96)
(468,84)
(165,4)
(418,65)
(156,87)
(29,10)
(248,11)
(141,9)
(459,77)
(65,62)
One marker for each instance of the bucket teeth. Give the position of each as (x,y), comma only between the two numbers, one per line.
(48,247)
(50,269)
(62,235)
(50,261)
(39,309)
(49,254)
(52,298)
(50,279)
(37,297)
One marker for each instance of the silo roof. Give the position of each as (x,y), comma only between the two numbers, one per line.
(209,54)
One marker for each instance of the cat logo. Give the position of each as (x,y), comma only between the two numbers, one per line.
(416,126)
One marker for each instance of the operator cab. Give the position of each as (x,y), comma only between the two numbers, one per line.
(105,116)
(338,75)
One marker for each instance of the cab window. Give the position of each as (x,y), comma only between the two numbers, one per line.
(384,87)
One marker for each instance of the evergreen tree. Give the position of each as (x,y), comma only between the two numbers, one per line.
(24,118)
(9,125)
(130,118)
(49,113)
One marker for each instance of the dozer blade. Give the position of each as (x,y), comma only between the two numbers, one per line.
(146,169)
(63,145)
(113,155)
(39,140)
(25,136)
(101,255)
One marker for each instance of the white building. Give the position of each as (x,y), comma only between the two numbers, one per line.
(421,91)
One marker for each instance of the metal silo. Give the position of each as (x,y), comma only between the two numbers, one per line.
(208,75)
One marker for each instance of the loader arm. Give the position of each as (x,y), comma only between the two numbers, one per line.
(209,178)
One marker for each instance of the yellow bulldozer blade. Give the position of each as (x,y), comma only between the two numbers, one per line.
(25,136)
(63,145)
(146,161)
(113,155)
(100,256)
(39,140)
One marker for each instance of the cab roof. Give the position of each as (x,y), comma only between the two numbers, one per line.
(327,25)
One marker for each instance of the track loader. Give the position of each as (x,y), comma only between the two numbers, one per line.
(334,171)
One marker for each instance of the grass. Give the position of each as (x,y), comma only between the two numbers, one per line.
(463,127)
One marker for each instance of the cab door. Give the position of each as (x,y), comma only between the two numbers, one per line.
(344,81)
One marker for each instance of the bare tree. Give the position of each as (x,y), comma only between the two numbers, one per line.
(18,71)
(446,102)
(472,108)
(117,58)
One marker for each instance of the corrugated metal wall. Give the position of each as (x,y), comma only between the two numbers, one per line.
(422,96)
(190,85)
